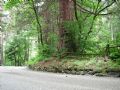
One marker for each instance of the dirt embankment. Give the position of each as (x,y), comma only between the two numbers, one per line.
(67,66)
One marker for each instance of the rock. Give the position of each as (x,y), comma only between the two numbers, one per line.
(78,73)
(114,74)
(67,71)
(100,74)
(88,70)
(91,72)
(83,72)
(73,72)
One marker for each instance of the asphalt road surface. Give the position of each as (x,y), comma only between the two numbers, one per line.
(21,78)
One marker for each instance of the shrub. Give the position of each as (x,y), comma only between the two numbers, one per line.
(115,56)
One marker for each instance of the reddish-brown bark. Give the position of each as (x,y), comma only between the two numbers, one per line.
(65,7)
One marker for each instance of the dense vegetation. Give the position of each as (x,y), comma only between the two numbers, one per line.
(38,30)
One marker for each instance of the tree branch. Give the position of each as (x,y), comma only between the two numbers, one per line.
(98,13)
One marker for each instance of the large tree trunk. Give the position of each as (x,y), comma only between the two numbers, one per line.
(65,42)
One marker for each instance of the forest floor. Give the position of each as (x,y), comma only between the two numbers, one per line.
(79,66)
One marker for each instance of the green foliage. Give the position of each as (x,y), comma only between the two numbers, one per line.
(35,60)
(23,23)
(45,50)
(12,3)
(16,51)
(97,64)
(115,56)
(78,31)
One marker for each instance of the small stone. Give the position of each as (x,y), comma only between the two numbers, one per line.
(100,74)
(91,72)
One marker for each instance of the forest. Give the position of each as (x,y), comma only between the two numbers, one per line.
(66,36)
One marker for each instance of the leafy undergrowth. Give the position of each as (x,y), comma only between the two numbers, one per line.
(79,66)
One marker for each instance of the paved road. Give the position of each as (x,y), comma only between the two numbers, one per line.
(20,78)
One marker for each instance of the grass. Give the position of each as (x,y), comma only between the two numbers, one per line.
(77,65)
(97,65)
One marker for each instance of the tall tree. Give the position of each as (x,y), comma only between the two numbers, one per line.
(65,42)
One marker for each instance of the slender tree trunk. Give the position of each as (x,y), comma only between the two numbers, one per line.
(15,60)
(1,49)
(39,29)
